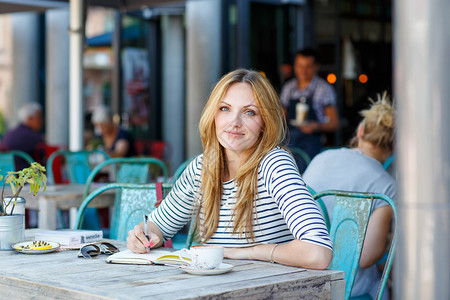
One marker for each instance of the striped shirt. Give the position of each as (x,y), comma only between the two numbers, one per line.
(284,208)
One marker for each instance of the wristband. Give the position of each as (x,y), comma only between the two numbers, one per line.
(271,253)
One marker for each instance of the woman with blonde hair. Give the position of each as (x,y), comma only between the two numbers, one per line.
(360,169)
(245,186)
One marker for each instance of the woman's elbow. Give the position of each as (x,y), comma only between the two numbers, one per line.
(365,264)
(365,261)
(321,259)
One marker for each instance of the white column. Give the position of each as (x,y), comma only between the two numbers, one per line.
(76,117)
(25,63)
(422,91)
(173,90)
(203,19)
(57,77)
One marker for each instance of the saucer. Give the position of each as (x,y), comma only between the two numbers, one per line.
(223,268)
(19,247)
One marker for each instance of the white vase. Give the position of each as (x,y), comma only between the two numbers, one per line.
(11,231)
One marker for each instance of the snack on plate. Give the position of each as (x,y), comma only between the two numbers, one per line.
(37,245)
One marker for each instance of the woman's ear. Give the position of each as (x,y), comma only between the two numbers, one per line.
(360,131)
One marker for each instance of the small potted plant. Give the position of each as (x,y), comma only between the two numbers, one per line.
(12,225)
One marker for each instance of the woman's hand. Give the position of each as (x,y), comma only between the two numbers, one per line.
(310,127)
(136,241)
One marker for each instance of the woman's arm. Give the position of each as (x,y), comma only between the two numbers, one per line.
(136,238)
(376,236)
(120,149)
(295,253)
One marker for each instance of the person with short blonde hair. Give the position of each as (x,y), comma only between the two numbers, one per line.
(117,141)
(246,188)
(360,169)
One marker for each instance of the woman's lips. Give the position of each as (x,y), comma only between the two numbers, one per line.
(233,133)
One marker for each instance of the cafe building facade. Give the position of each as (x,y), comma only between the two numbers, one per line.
(157,71)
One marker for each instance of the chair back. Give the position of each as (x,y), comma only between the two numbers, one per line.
(180,169)
(42,154)
(77,163)
(349,222)
(78,167)
(7,162)
(301,158)
(387,163)
(322,206)
(135,201)
(128,170)
(300,154)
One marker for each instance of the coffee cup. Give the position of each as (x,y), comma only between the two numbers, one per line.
(301,111)
(203,256)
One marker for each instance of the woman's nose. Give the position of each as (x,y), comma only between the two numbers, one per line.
(236,121)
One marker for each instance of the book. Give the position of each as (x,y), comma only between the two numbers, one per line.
(67,237)
(155,257)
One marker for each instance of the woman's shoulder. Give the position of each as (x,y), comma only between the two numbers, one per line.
(277,152)
(197,162)
(276,157)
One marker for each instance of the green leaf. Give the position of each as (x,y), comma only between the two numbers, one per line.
(13,187)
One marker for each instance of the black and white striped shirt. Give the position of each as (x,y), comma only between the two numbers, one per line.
(284,206)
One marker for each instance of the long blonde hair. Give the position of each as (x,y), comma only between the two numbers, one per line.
(379,123)
(272,135)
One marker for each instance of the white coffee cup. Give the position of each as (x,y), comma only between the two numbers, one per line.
(301,111)
(203,256)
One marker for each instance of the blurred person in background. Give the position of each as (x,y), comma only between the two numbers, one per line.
(319,98)
(360,169)
(27,135)
(117,141)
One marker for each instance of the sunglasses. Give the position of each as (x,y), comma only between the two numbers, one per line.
(94,250)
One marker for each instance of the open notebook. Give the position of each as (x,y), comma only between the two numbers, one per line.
(156,256)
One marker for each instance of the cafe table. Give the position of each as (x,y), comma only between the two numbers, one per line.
(61,196)
(62,275)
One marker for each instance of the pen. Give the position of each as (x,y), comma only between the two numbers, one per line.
(147,244)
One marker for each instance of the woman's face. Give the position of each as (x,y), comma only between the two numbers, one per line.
(104,128)
(238,119)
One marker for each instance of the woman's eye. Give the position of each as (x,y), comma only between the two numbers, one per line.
(250,113)
(224,108)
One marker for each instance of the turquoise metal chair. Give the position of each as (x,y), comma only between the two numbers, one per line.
(135,201)
(78,168)
(299,153)
(127,170)
(181,169)
(351,214)
(7,163)
(388,161)
(323,208)
(77,164)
